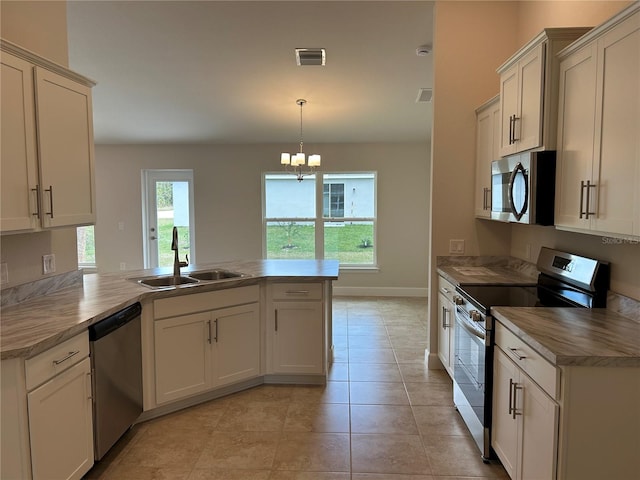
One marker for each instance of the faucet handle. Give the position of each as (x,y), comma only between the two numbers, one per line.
(185,264)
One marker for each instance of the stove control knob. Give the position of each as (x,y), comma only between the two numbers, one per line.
(458,300)
(475,315)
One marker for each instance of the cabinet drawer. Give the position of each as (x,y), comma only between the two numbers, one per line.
(446,288)
(57,359)
(297,291)
(200,302)
(531,362)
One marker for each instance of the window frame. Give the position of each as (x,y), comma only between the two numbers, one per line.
(320,220)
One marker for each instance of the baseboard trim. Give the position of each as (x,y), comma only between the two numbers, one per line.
(380,292)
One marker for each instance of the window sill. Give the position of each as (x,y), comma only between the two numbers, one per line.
(360,268)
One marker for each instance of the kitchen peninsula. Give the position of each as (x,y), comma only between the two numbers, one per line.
(283,335)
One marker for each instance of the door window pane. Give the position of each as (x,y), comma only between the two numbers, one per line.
(172,200)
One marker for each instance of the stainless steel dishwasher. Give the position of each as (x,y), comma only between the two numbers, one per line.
(116,364)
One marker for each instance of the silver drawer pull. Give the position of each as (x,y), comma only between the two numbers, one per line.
(69,355)
(514,351)
(445,290)
(297,292)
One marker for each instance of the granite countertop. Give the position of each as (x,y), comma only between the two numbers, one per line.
(487,270)
(575,336)
(32,326)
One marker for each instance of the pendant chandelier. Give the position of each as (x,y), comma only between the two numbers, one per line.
(295,162)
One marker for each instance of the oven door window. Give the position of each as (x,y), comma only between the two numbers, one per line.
(469,365)
(500,192)
(519,191)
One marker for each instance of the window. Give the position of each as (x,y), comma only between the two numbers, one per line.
(333,200)
(86,247)
(328,215)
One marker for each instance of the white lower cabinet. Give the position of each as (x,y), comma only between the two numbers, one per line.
(298,337)
(297,329)
(195,353)
(525,423)
(60,425)
(446,322)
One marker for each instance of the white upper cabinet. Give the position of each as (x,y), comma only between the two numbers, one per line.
(47,144)
(487,150)
(528,92)
(19,175)
(598,171)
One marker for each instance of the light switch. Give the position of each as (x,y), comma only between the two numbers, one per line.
(48,264)
(456,247)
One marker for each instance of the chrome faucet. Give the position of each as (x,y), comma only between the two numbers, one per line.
(176,260)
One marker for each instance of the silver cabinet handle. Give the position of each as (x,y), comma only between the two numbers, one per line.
(511,396)
(297,292)
(37,190)
(209,328)
(69,355)
(515,119)
(50,190)
(514,352)
(589,186)
(445,316)
(276,319)
(216,334)
(90,397)
(581,197)
(515,412)
(445,290)
(510,129)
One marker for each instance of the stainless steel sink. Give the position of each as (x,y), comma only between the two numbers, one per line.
(216,274)
(167,281)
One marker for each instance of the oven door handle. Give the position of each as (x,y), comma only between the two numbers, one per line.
(470,330)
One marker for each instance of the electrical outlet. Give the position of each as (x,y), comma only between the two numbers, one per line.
(48,264)
(4,273)
(123,266)
(121,226)
(456,247)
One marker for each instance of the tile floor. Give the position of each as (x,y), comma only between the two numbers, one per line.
(382,415)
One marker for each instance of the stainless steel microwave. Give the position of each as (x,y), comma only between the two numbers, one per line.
(523,188)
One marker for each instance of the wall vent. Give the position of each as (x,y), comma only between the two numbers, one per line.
(310,56)
(424,95)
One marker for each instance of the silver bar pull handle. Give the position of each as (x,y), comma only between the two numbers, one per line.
(90,397)
(515,412)
(297,292)
(276,320)
(582,185)
(37,190)
(50,190)
(514,352)
(67,357)
(511,408)
(510,128)
(588,211)
(515,119)
(209,329)
(216,335)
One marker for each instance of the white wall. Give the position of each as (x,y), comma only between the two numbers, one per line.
(228,203)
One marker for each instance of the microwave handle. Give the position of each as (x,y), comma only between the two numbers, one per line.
(512,205)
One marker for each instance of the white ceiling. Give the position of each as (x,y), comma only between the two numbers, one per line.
(225,72)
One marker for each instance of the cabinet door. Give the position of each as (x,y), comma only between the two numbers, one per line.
(60,425)
(576,119)
(236,340)
(183,356)
(539,432)
(298,337)
(445,320)
(65,145)
(528,124)
(18,162)
(484,156)
(504,433)
(508,108)
(617,172)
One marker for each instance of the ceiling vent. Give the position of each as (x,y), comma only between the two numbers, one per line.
(310,56)
(424,95)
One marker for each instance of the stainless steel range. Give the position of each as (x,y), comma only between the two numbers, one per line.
(565,280)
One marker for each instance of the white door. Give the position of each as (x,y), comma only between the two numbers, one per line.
(167,202)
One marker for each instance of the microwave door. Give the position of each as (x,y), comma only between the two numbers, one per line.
(518,191)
